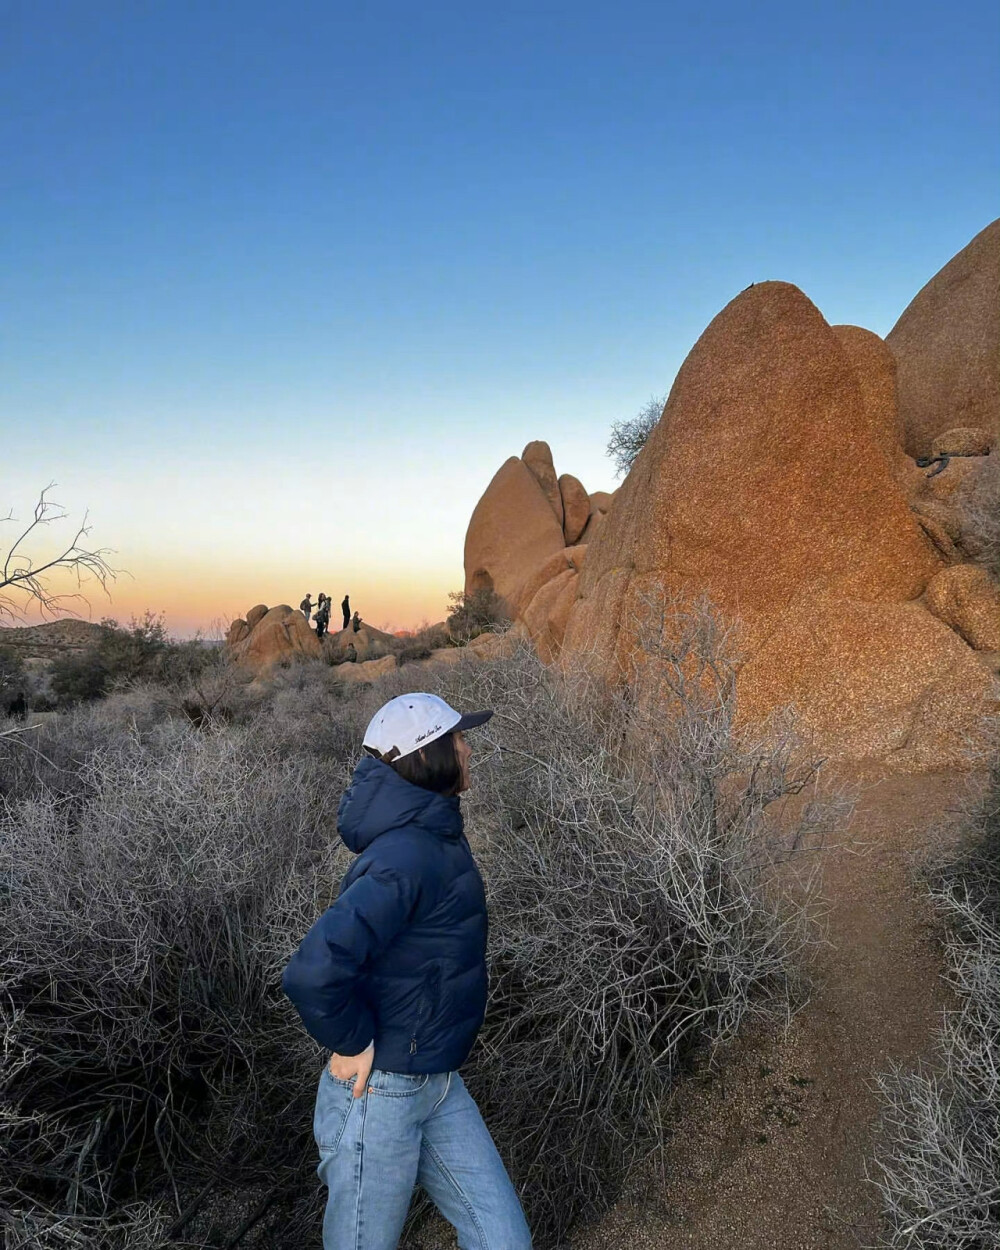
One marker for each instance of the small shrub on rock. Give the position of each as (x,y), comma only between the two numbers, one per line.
(629,437)
(475,612)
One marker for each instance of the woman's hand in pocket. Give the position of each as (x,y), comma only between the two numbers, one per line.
(344,1067)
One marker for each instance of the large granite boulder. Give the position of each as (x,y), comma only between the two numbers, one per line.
(874,369)
(278,636)
(366,670)
(967,599)
(548,612)
(537,456)
(576,507)
(764,476)
(514,529)
(368,643)
(883,682)
(257,614)
(947,344)
(767,487)
(237,631)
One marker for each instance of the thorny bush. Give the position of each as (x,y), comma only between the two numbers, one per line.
(156,875)
(939,1167)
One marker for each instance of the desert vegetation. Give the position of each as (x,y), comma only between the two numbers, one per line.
(629,437)
(157,869)
(33,567)
(472,612)
(939,1169)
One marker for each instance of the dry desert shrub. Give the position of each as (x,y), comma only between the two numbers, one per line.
(939,1167)
(138,1227)
(145,921)
(633,916)
(155,876)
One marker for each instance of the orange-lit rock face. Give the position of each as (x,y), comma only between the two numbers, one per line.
(874,369)
(764,476)
(512,532)
(770,486)
(967,599)
(876,681)
(276,634)
(947,343)
(576,507)
(537,457)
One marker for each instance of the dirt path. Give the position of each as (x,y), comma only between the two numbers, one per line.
(771,1152)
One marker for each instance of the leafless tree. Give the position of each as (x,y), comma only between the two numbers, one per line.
(629,437)
(25,580)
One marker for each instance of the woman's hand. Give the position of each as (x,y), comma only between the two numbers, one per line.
(360,1066)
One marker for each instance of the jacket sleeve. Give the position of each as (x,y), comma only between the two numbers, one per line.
(324,975)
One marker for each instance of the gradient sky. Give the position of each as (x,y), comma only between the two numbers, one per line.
(282,285)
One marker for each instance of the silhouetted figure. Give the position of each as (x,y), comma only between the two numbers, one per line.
(350,653)
(306,607)
(345,607)
(323,616)
(18,706)
(356,622)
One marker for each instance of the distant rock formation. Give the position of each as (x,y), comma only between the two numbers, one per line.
(776,485)
(513,530)
(267,637)
(270,636)
(947,345)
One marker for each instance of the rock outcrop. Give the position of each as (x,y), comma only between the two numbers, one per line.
(947,344)
(514,531)
(537,457)
(763,479)
(775,485)
(368,643)
(874,368)
(576,507)
(883,682)
(366,670)
(965,441)
(967,599)
(270,636)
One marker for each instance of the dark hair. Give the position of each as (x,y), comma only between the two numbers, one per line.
(433,767)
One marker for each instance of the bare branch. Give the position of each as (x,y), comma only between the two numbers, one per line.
(24,583)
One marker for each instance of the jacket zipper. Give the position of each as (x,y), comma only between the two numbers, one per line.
(425,1007)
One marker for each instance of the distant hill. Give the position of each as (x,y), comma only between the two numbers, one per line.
(45,642)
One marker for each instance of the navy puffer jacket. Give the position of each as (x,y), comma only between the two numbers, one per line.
(400,957)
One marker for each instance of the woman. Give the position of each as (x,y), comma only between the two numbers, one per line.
(392,979)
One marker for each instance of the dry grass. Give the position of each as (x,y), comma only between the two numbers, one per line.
(939,1170)
(156,874)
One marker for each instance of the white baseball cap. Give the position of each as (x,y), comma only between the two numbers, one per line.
(410,721)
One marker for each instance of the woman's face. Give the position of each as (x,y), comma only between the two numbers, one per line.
(463,753)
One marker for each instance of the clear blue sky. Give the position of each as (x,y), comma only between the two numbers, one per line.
(283,284)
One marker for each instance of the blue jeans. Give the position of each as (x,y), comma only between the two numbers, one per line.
(410,1130)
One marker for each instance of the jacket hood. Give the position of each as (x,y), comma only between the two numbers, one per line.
(378,800)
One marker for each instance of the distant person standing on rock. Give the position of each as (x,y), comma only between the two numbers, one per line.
(356,621)
(306,607)
(345,607)
(323,615)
